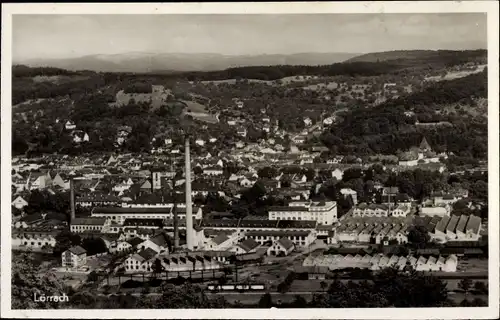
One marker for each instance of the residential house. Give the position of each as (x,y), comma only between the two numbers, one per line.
(34,238)
(347,192)
(161,243)
(337,174)
(141,261)
(246,246)
(242,132)
(222,242)
(19,202)
(328,121)
(74,258)
(70,125)
(213,171)
(281,247)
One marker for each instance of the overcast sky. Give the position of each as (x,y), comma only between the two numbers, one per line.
(62,36)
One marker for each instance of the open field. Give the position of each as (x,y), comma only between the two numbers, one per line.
(199,112)
(456,74)
(318,86)
(157,98)
(194,107)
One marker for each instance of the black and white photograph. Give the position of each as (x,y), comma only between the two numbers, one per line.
(250,158)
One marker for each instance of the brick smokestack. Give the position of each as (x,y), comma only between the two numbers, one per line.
(189,206)
(72,199)
(176,217)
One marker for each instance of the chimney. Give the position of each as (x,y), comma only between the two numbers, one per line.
(72,199)
(189,206)
(176,220)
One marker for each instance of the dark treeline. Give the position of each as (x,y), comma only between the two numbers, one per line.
(19,71)
(24,89)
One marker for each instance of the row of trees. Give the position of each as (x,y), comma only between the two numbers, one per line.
(66,239)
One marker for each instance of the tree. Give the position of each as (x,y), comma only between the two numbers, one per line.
(481,287)
(197,170)
(267,172)
(323,285)
(465,284)
(265,301)
(157,268)
(186,296)
(419,237)
(299,302)
(478,302)
(410,289)
(94,246)
(65,240)
(28,280)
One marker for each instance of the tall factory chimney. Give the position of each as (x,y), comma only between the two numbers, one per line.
(176,217)
(189,206)
(72,199)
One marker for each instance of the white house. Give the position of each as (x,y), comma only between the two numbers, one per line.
(33,239)
(307,121)
(245,182)
(200,142)
(19,203)
(159,243)
(222,242)
(70,125)
(141,261)
(120,246)
(328,121)
(281,247)
(346,192)
(337,174)
(247,246)
(74,258)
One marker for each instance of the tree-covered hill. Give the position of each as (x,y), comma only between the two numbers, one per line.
(446,57)
(387,128)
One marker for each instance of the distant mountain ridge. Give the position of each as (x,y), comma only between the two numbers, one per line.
(413,54)
(179,62)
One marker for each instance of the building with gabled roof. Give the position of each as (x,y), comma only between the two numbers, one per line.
(281,247)
(223,241)
(424,145)
(141,261)
(74,258)
(246,246)
(159,242)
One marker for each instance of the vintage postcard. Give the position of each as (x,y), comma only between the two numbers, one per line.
(329,160)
